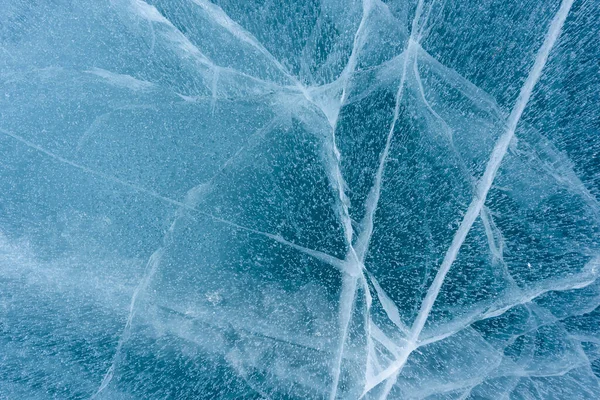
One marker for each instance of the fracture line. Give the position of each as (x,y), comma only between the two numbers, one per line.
(151,14)
(327,258)
(483,188)
(356,47)
(492,167)
(339,182)
(354,266)
(93,172)
(221,18)
(362,243)
(347,299)
(364,238)
(154,261)
(151,268)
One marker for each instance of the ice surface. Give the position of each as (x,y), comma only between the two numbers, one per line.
(310,199)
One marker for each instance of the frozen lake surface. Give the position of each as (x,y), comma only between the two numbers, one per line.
(307,199)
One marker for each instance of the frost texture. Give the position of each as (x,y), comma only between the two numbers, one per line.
(299,199)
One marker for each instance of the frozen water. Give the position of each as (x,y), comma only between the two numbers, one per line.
(299,199)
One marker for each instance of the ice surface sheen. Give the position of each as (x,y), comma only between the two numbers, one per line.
(308,199)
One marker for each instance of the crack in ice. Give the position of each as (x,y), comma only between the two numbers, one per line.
(483,188)
(355,276)
(327,258)
(349,282)
(154,262)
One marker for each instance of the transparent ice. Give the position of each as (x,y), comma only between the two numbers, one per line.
(271,199)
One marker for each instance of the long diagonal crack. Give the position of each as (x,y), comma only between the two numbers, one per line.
(483,188)
(364,239)
(150,271)
(91,171)
(486,216)
(327,258)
